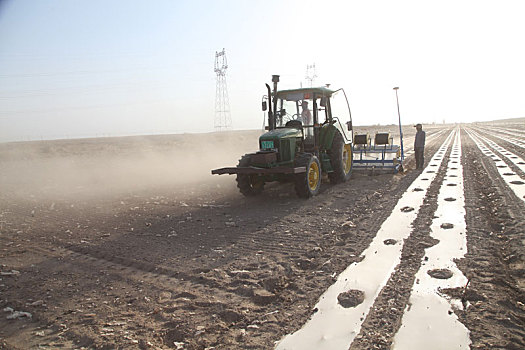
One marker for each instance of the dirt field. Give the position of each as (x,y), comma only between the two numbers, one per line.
(131,243)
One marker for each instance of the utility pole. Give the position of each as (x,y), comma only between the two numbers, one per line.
(400,129)
(223,120)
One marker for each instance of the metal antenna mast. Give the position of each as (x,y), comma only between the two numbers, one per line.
(310,73)
(223,120)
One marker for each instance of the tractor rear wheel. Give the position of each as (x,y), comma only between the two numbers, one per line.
(341,160)
(308,184)
(249,184)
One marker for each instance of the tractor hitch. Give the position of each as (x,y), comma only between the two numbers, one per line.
(262,171)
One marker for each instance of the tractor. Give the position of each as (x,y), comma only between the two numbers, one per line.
(300,144)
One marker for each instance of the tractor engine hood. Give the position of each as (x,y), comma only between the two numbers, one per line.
(281,133)
(281,140)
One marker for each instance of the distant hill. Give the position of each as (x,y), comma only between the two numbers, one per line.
(508,121)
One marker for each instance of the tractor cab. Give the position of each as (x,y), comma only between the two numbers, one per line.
(313,111)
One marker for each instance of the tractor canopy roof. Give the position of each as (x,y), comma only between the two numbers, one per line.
(304,93)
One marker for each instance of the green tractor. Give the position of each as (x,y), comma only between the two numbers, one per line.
(301,143)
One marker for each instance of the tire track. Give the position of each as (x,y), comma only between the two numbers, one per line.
(123,282)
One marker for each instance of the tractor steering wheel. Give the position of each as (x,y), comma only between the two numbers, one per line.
(288,117)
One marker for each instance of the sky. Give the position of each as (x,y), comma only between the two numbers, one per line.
(91,68)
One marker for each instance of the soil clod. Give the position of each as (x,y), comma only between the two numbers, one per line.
(351,298)
(442,274)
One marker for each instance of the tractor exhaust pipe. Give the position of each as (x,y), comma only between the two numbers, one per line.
(270,108)
(275,80)
(273,102)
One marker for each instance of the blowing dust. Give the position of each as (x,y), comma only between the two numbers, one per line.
(105,167)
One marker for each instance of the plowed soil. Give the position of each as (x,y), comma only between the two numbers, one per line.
(130,243)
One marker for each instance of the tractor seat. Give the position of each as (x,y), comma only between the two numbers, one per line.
(294,124)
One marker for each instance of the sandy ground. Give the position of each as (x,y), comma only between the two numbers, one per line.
(131,243)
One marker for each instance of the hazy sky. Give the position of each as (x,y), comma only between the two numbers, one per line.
(72,68)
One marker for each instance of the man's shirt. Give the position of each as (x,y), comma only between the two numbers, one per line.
(420,139)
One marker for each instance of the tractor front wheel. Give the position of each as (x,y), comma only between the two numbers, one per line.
(341,160)
(249,185)
(308,184)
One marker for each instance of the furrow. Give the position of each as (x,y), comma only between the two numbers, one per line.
(513,181)
(517,161)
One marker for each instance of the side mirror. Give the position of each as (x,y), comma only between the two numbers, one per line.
(323,102)
(349,125)
(264,106)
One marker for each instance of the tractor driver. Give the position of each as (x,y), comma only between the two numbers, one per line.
(306,115)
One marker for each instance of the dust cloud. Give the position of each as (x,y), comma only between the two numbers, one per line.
(105,167)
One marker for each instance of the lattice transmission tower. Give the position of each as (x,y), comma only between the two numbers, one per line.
(223,120)
(310,74)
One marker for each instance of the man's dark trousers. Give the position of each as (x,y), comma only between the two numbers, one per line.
(420,160)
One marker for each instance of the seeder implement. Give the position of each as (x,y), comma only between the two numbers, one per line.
(381,155)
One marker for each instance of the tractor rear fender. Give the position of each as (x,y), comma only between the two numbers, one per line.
(326,136)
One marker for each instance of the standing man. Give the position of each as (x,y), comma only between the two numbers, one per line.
(419,146)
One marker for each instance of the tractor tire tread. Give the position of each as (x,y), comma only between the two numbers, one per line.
(244,181)
(336,159)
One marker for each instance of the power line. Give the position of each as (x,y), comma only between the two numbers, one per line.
(8,114)
(59,91)
(80,72)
